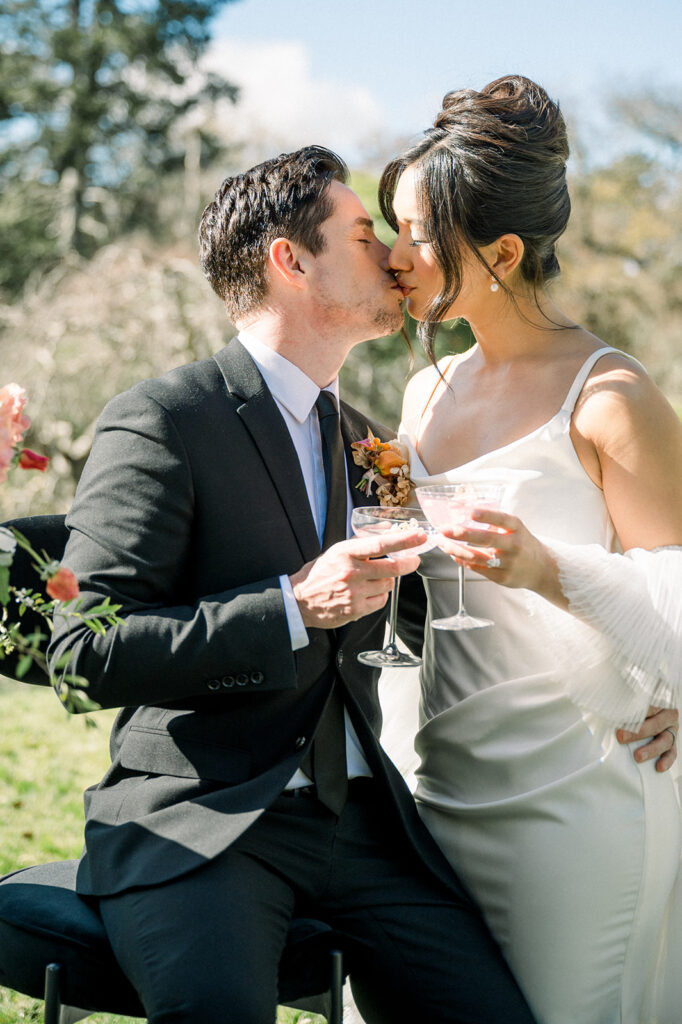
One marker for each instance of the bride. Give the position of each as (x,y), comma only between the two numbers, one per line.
(570,845)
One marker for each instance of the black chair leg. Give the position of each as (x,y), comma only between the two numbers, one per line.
(53,1002)
(336,1013)
(54,1006)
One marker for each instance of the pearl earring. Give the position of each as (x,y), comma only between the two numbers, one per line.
(494,286)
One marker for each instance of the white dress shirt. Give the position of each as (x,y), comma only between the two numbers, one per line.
(295,394)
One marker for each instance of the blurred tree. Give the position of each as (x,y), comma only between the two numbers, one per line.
(622,252)
(87,330)
(99,101)
(654,116)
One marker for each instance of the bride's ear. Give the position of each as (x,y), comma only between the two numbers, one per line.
(507,255)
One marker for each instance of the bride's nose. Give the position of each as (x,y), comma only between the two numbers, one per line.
(399,256)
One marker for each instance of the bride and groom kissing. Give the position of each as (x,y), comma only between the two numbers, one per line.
(247,781)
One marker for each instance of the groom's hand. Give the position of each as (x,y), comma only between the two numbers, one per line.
(352,578)
(660,727)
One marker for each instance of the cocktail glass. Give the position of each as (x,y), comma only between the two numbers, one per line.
(368,522)
(447,505)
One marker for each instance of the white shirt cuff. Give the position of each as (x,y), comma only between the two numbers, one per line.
(297,631)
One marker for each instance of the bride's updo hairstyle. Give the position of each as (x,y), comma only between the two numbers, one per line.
(494,163)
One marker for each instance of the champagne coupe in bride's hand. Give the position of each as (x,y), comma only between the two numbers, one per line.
(368,522)
(447,505)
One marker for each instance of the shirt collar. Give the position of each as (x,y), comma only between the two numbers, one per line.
(288,384)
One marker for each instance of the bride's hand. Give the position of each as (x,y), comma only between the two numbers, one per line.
(510,554)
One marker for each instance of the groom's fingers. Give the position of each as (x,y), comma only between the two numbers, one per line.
(352,579)
(660,728)
(385,544)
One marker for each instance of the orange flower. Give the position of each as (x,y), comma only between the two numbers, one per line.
(389,459)
(63,586)
(31,460)
(388,469)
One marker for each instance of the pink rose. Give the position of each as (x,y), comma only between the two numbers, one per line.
(13,424)
(63,586)
(31,460)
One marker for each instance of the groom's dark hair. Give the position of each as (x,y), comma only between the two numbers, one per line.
(286,197)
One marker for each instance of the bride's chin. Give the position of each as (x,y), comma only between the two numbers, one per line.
(414,311)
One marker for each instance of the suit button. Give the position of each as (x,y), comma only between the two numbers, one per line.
(257,678)
(227,681)
(213,684)
(300,743)
(339,659)
(242,679)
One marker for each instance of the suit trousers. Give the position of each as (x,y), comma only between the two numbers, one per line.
(206,946)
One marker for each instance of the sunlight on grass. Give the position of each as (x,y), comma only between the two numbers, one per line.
(47,759)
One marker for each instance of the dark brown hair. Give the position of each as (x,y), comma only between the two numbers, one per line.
(285,197)
(493,163)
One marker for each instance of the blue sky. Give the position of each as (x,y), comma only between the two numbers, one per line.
(398,58)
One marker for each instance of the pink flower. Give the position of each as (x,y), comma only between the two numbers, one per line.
(13,424)
(63,585)
(31,460)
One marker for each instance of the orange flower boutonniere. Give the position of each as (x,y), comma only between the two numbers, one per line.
(388,468)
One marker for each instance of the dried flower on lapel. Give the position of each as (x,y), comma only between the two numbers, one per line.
(388,467)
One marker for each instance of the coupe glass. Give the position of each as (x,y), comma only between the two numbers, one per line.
(368,522)
(447,505)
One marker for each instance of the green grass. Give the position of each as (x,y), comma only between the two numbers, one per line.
(47,759)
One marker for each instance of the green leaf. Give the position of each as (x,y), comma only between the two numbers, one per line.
(4,584)
(24,665)
(100,609)
(96,626)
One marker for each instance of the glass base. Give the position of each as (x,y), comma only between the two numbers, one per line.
(462,621)
(388,658)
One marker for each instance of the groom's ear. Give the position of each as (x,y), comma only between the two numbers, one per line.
(285,261)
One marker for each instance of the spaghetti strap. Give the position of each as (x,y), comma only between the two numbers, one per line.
(582,375)
(441,377)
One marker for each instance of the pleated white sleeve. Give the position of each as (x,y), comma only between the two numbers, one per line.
(619,647)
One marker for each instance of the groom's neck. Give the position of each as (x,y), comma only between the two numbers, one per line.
(319,354)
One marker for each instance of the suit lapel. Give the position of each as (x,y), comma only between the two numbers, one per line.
(353,428)
(263,420)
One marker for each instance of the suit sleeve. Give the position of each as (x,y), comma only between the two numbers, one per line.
(131,536)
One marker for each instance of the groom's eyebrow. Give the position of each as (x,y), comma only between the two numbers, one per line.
(365,222)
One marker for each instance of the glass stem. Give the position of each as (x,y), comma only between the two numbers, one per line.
(393,616)
(461,590)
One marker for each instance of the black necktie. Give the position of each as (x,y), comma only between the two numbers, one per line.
(334,468)
(325,763)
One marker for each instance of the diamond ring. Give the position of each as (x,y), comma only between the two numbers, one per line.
(493,562)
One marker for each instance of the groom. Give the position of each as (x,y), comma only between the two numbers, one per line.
(247,783)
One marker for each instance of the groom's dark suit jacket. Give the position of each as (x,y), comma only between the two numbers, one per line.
(190,507)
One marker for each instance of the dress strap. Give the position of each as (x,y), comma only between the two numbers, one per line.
(439,381)
(582,375)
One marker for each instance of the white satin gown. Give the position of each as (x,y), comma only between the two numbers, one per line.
(570,847)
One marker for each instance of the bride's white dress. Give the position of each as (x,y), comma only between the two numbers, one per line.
(570,847)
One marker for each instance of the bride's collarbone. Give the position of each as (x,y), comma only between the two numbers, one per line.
(476,413)
(467,431)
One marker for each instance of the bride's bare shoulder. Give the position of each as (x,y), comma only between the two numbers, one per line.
(422,385)
(621,405)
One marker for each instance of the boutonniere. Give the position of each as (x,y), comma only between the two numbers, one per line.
(388,468)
